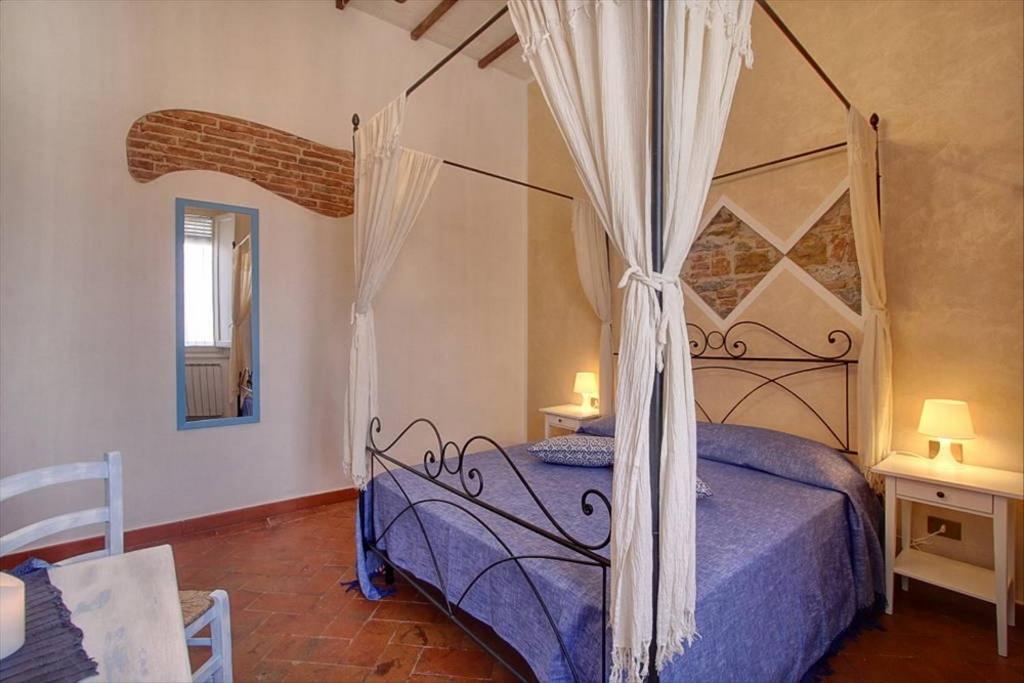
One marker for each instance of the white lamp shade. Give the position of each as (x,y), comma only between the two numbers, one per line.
(586,383)
(946,419)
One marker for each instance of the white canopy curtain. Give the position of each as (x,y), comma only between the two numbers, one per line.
(392,184)
(874,369)
(592,265)
(591,60)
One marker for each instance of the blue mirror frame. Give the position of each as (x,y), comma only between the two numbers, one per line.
(179,260)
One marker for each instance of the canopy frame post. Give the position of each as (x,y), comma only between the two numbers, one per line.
(657,142)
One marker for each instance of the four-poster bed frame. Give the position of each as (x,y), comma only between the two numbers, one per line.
(721,176)
(728,351)
(438,462)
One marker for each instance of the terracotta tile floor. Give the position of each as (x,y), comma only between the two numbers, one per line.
(291,621)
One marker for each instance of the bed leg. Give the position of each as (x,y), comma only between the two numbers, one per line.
(389,575)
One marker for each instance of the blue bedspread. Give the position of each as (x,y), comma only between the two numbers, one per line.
(786,556)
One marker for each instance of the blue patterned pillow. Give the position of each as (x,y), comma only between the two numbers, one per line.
(602,426)
(581,450)
(587,450)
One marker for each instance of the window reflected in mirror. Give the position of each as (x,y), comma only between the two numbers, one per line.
(217,314)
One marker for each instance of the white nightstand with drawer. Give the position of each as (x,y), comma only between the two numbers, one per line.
(569,417)
(975,490)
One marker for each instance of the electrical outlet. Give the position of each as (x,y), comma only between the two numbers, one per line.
(953,529)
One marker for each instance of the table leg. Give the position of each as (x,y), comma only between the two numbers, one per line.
(905,525)
(890,539)
(999,529)
(547,428)
(1011,569)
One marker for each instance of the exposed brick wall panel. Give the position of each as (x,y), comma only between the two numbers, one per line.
(726,262)
(828,253)
(729,258)
(312,175)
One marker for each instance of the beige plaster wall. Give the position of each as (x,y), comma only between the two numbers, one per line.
(946,78)
(87,254)
(563,330)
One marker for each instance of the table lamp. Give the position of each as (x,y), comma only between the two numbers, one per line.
(12,614)
(947,421)
(586,384)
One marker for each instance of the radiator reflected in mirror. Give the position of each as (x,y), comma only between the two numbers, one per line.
(217,259)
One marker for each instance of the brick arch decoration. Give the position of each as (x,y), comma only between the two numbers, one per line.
(314,176)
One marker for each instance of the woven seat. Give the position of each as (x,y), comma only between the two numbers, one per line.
(194,604)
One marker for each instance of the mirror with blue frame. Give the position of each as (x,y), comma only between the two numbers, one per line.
(217,259)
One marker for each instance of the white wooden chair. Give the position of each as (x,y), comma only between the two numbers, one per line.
(199,609)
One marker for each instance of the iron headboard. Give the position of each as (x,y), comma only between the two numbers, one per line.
(730,352)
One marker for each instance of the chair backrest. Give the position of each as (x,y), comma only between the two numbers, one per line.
(111,514)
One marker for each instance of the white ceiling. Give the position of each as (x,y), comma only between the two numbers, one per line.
(464,17)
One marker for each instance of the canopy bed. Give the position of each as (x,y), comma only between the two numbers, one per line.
(586,573)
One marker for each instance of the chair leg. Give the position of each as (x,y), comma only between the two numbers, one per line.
(220,633)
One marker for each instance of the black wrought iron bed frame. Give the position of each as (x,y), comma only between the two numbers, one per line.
(727,351)
(733,350)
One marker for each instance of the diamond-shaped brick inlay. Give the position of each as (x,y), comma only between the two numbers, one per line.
(828,254)
(726,261)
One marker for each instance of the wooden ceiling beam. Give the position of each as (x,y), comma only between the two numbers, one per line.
(505,46)
(340,4)
(431,19)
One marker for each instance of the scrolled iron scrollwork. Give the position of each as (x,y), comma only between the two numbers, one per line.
(435,461)
(450,458)
(702,342)
(587,508)
(699,345)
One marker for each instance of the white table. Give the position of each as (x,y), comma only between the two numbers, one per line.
(975,490)
(569,416)
(127,607)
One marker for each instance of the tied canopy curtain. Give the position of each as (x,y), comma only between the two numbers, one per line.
(392,184)
(591,60)
(592,264)
(706,43)
(874,371)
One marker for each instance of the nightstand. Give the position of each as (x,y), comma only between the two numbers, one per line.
(975,490)
(569,416)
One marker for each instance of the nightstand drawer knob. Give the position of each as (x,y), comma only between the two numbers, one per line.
(940,494)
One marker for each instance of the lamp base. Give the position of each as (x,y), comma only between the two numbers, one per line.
(587,404)
(944,458)
(956,446)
